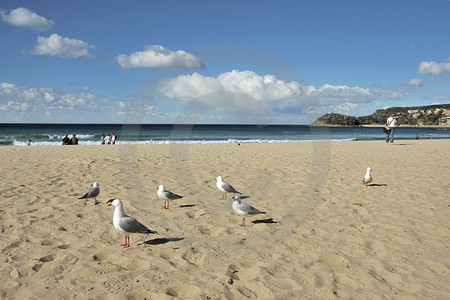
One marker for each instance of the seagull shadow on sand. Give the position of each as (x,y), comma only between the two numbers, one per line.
(187,205)
(160,241)
(266,221)
(377,184)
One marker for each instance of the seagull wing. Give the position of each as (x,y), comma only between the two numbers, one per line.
(92,192)
(248,209)
(171,196)
(227,187)
(130,224)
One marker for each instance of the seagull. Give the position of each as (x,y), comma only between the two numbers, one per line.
(243,209)
(225,187)
(167,195)
(125,223)
(368,177)
(92,192)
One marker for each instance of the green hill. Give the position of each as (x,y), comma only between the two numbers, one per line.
(438,114)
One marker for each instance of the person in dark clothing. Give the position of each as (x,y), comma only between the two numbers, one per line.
(74,140)
(66,140)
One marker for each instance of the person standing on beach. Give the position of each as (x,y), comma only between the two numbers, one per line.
(113,138)
(102,139)
(391,122)
(108,139)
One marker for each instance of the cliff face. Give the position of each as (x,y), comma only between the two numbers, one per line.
(438,115)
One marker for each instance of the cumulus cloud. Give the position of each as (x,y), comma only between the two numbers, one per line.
(56,45)
(434,68)
(245,89)
(23,17)
(22,98)
(268,87)
(155,56)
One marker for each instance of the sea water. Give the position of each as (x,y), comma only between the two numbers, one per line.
(90,134)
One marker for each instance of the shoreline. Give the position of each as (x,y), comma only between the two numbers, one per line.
(234,143)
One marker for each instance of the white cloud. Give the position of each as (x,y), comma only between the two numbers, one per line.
(134,109)
(46,98)
(14,106)
(56,45)
(344,92)
(268,87)
(346,108)
(155,56)
(249,91)
(434,68)
(416,82)
(23,17)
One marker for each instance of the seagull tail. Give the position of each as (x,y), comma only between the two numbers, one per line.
(84,197)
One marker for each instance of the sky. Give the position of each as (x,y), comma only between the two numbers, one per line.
(219,62)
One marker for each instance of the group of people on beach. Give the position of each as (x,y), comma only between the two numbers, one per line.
(70,141)
(109,139)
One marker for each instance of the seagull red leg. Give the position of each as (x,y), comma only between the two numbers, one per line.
(125,241)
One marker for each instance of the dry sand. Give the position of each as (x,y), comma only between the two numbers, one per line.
(330,238)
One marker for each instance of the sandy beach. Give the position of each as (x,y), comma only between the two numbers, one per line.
(324,235)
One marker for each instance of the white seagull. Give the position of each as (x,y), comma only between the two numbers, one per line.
(167,196)
(368,177)
(225,187)
(243,209)
(92,192)
(125,223)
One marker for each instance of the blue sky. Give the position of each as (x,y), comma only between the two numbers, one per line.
(271,62)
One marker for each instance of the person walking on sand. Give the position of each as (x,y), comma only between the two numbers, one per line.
(391,123)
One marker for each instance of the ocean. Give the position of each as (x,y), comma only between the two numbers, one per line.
(89,134)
